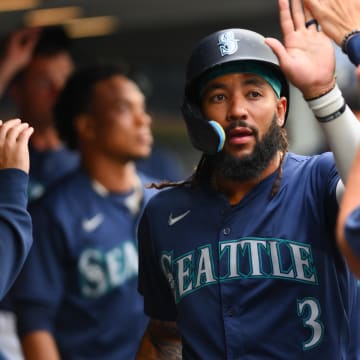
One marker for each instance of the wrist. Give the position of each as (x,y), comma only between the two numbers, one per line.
(353,49)
(328,106)
(317,92)
(346,39)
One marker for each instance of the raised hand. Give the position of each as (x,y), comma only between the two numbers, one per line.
(18,52)
(307,55)
(14,139)
(336,17)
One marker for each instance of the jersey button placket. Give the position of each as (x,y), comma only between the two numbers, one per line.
(226,231)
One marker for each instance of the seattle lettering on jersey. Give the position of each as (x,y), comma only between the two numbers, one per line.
(100,272)
(243,258)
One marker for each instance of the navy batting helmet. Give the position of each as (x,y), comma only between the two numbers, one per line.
(216,52)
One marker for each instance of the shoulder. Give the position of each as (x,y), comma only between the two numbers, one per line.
(67,191)
(320,162)
(173,197)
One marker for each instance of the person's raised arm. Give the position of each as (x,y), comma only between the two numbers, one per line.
(17,54)
(348,225)
(161,341)
(307,58)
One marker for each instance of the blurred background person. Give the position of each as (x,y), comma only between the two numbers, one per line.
(76,297)
(34,67)
(34,88)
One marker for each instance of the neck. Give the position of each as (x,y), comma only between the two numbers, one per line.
(46,139)
(234,190)
(115,176)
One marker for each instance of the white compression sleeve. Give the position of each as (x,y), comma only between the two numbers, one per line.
(340,126)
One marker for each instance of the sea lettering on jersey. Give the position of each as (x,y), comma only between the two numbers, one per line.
(242,258)
(100,272)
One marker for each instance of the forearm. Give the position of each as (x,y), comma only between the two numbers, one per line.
(39,345)
(15,226)
(342,132)
(161,341)
(350,202)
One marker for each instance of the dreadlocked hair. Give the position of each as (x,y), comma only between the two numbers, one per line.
(165,183)
(202,172)
(283,149)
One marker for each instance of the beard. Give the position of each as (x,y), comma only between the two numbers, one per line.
(250,166)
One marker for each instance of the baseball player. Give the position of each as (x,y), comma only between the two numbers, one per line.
(240,261)
(346,34)
(77,295)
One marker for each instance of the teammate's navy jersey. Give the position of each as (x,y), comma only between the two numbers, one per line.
(15,226)
(260,280)
(352,230)
(48,166)
(80,281)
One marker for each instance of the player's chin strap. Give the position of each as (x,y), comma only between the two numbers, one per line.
(207,136)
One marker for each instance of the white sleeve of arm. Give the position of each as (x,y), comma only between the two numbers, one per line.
(341,129)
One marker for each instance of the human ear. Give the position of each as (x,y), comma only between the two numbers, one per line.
(84,126)
(281,107)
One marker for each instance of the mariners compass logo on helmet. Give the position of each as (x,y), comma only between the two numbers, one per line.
(227,43)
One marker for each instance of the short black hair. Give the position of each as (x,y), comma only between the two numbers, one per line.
(76,97)
(52,40)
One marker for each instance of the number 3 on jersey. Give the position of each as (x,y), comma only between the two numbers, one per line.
(309,310)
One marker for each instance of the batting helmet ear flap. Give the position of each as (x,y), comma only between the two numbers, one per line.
(207,136)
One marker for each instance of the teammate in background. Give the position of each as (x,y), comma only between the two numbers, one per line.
(77,295)
(15,222)
(340,20)
(241,261)
(35,67)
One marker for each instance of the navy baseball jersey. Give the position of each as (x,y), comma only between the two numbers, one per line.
(47,166)
(15,226)
(80,280)
(260,280)
(352,230)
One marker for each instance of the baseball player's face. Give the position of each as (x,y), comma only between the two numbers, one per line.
(41,84)
(244,105)
(121,125)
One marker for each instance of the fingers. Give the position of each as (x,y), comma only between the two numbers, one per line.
(16,133)
(295,17)
(312,7)
(310,20)
(24,136)
(26,35)
(14,137)
(14,130)
(298,14)
(286,21)
(6,126)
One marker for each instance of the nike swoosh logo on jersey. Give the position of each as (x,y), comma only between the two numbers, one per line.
(174,220)
(92,223)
